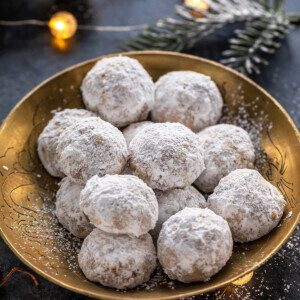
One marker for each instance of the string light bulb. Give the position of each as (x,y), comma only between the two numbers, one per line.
(243,280)
(197,3)
(63,25)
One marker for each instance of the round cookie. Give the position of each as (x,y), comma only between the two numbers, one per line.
(91,146)
(133,129)
(119,90)
(166,156)
(68,211)
(251,205)
(226,148)
(172,201)
(187,97)
(48,139)
(121,204)
(194,244)
(117,261)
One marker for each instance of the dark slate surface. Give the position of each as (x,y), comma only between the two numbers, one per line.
(27,57)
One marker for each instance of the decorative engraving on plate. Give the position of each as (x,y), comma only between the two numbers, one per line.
(277,167)
(28,204)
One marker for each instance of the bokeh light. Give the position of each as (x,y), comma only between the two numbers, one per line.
(197,3)
(63,25)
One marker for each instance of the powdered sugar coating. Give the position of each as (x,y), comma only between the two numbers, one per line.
(251,205)
(166,156)
(133,129)
(117,261)
(172,201)
(91,146)
(187,97)
(48,139)
(226,148)
(68,210)
(119,90)
(194,244)
(121,204)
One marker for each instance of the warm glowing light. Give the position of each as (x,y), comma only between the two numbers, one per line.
(63,45)
(197,3)
(243,280)
(63,25)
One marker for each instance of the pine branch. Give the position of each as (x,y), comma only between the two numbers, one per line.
(266,22)
(178,35)
(258,38)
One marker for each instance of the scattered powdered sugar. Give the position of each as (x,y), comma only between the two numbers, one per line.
(60,248)
(158,279)
(5,168)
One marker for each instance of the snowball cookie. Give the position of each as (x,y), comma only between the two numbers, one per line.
(166,156)
(117,261)
(68,211)
(172,201)
(251,205)
(91,146)
(133,129)
(121,204)
(226,148)
(194,244)
(48,139)
(187,97)
(119,90)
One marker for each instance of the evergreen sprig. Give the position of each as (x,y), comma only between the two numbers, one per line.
(266,22)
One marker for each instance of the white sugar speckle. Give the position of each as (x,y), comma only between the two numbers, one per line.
(5,168)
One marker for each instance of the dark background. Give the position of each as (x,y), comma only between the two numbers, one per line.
(28,55)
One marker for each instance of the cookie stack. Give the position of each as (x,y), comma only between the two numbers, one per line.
(123,190)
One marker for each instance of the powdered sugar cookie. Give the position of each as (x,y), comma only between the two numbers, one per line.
(121,204)
(187,97)
(119,90)
(68,210)
(194,244)
(117,261)
(166,156)
(48,139)
(91,146)
(251,205)
(172,201)
(226,148)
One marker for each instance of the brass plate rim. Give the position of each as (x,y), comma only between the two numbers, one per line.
(167,53)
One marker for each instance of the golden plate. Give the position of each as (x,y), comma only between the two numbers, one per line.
(28,192)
